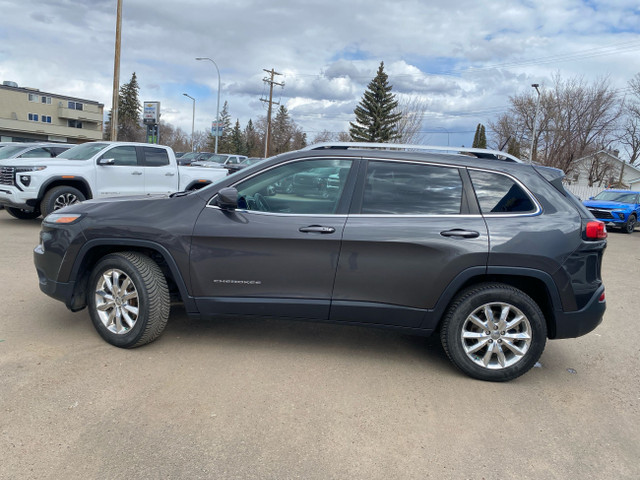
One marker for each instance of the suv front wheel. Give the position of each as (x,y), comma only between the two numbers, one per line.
(494,332)
(128,299)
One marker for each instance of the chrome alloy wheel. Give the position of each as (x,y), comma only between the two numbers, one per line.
(116,300)
(496,335)
(64,200)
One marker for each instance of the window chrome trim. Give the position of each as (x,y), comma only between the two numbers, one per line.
(280,214)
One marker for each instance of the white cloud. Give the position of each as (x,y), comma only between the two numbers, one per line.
(465,57)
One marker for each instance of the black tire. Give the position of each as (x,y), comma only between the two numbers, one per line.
(630,226)
(112,309)
(475,353)
(23,214)
(58,197)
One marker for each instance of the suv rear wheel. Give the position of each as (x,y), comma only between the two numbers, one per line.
(494,332)
(128,299)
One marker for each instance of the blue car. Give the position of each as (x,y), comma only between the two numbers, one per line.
(617,208)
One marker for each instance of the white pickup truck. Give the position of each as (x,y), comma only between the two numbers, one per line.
(38,186)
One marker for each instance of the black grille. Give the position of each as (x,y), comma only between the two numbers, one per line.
(7,176)
(601,213)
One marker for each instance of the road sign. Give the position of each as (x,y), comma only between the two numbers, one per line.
(217,128)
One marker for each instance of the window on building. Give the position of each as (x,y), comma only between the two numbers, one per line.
(75,105)
(46,100)
(33,117)
(74,123)
(33,97)
(46,119)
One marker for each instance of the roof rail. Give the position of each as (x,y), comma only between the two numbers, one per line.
(480,152)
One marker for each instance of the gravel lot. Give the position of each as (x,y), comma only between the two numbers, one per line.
(263,399)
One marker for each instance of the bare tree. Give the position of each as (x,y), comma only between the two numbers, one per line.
(409,126)
(575,120)
(630,139)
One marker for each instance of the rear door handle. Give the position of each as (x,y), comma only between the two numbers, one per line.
(136,173)
(169,174)
(317,229)
(458,232)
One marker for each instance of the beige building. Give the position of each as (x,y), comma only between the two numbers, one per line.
(27,115)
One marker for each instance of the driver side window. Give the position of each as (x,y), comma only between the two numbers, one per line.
(306,187)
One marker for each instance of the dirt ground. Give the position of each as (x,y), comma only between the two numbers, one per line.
(267,399)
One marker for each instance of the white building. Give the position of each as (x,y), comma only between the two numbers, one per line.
(600,170)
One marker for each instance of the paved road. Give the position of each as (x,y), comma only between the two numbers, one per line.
(261,399)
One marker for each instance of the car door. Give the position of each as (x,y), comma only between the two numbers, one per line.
(159,175)
(411,234)
(277,253)
(119,172)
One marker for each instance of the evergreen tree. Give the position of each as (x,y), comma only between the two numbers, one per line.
(376,115)
(237,140)
(224,141)
(253,144)
(480,138)
(129,109)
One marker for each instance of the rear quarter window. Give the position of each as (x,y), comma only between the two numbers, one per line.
(499,194)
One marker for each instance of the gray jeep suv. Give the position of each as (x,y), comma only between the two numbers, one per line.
(490,253)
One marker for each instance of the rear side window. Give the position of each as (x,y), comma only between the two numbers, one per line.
(155,157)
(500,194)
(411,189)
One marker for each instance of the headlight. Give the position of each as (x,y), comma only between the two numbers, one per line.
(29,169)
(62,219)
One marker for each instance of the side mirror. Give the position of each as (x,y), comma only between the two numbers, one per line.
(106,161)
(227,198)
(590,198)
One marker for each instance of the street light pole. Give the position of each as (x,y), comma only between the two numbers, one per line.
(444,129)
(218,104)
(193,117)
(535,122)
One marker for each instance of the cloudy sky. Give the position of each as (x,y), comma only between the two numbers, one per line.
(464,57)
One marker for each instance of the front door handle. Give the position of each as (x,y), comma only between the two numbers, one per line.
(136,173)
(458,232)
(169,174)
(317,229)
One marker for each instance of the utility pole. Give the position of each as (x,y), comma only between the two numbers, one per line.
(116,75)
(535,124)
(271,83)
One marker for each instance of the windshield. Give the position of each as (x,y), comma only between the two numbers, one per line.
(215,158)
(8,152)
(622,197)
(83,152)
(188,156)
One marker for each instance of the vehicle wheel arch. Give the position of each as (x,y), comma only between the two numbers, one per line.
(91,253)
(78,183)
(536,284)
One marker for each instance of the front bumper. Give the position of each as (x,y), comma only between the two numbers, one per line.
(12,197)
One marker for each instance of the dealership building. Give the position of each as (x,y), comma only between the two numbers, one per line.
(29,115)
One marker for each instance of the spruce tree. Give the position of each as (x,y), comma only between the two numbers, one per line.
(480,138)
(253,145)
(376,114)
(224,141)
(129,109)
(237,140)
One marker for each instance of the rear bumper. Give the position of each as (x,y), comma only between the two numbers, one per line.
(581,322)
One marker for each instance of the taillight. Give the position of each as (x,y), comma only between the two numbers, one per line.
(601,299)
(596,230)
